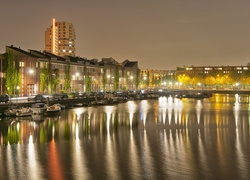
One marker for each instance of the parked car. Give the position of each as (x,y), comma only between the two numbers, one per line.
(36,97)
(4,98)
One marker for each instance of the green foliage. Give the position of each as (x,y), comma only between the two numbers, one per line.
(104,79)
(137,78)
(88,83)
(54,80)
(116,78)
(67,78)
(44,75)
(11,73)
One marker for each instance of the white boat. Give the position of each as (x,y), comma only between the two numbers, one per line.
(53,110)
(39,108)
(24,111)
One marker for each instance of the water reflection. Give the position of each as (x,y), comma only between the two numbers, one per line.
(148,139)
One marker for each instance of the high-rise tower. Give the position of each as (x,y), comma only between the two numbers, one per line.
(60,39)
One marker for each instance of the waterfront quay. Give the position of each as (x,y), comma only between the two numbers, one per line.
(71,102)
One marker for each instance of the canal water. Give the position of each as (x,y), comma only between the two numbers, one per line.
(166,138)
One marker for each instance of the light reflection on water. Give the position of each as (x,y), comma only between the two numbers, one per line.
(149,139)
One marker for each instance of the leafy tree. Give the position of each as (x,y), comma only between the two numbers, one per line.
(137,78)
(67,78)
(11,73)
(88,83)
(104,79)
(116,78)
(147,80)
(54,80)
(44,76)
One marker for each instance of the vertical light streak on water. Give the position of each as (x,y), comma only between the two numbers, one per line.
(135,169)
(111,155)
(53,131)
(237,98)
(236,114)
(236,109)
(179,106)
(32,161)
(147,162)
(79,160)
(131,110)
(164,114)
(11,163)
(241,157)
(144,106)
(202,156)
(169,102)
(162,109)
(198,111)
(164,151)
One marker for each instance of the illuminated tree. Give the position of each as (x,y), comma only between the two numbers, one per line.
(104,79)
(67,78)
(88,83)
(116,79)
(137,78)
(54,80)
(44,76)
(11,73)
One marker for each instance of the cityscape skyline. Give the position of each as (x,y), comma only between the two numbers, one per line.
(159,35)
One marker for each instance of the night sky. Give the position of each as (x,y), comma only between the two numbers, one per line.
(159,34)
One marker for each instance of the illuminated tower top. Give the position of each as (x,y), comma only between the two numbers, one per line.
(60,39)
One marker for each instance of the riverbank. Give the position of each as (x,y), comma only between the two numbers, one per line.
(170,92)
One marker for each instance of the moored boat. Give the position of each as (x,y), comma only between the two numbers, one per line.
(24,111)
(39,108)
(53,110)
(11,111)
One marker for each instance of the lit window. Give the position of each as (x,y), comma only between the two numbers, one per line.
(63,50)
(70,51)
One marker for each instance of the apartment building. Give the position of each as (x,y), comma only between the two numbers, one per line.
(60,39)
(212,69)
(32,62)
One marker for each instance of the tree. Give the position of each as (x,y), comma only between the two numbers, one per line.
(137,78)
(116,79)
(54,80)
(88,83)
(11,73)
(44,76)
(104,79)
(67,78)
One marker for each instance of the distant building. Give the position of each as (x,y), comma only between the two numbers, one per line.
(211,69)
(60,39)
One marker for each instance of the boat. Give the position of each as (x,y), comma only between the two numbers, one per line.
(39,108)
(55,109)
(10,112)
(24,111)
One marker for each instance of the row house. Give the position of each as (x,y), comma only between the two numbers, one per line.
(32,61)
(127,71)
